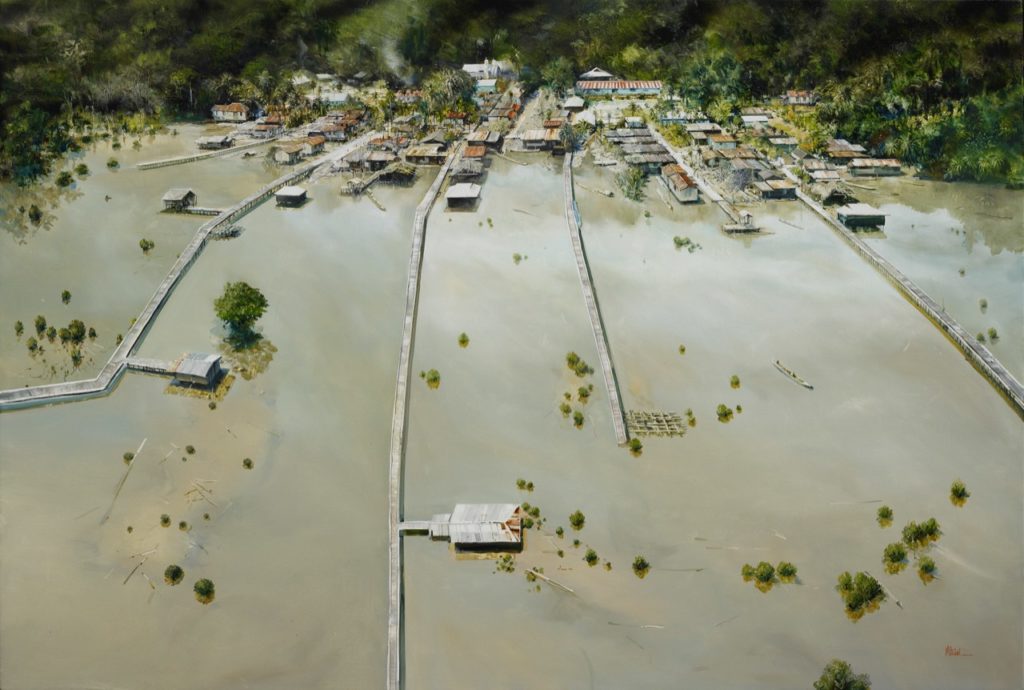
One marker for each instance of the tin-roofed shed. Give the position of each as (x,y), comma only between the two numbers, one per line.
(198,368)
(179,198)
(481,527)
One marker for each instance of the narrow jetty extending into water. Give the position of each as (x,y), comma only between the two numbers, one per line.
(180,160)
(976,353)
(399,427)
(115,366)
(604,354)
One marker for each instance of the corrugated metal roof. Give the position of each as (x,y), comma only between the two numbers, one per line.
(177,194)
(197,364)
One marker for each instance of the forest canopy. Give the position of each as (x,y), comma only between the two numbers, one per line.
(937,83)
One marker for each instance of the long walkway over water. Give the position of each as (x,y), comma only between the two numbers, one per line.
(604,354)
(180,160)
(399,427)
(976,353)
(115,366)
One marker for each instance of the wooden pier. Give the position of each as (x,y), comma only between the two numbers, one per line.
(976,353)
(611,382)
(150,366)
(180,160)
(399,427)
(58,392)
(198,211)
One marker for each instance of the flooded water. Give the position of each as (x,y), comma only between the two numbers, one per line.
(297,545)
(88,243)
(935,230)
(895,416)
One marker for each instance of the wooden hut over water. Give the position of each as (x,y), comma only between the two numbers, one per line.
(462,194)
(179,198)
(290,196)
(481,527)
(860,216)
(198,368)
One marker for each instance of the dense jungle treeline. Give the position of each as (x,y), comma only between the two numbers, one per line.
(937,83)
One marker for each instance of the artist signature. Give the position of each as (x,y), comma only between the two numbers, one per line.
(956,651)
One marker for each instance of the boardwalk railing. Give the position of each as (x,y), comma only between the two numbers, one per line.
(180,160)
(604,355)
(399,427)
(977,354)
(111,372)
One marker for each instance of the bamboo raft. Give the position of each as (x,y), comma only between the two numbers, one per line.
(792,375)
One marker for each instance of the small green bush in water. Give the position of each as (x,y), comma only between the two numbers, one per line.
(112,163)
(724,413)
(165,520)
(577,520)
(433,378)
(65,296)
(64,179)
(958,493)
(993,334)
(641,567)
(839,676)
(565,409)
(577,419)
(885,516)
(786,571)
(636,446)
(734,381)
(173,575)
(463,340)
(204,591)
(894,558)
(19,328)
(128,457)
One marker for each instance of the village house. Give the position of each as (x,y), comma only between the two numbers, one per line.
(682,186)
(477,152)
(463,194)
(408,96)
(874,167)
(825,175)
(290,196)
(483,137)
(860,216)
(266,131)
(799,98)
(616,87)
(467,170)
(489,69)
(634,122)
(486,86)
(574,104)
(722,141)
(426,154)
(313,145)
(377,160)
(680,117)
(196,368)
(332,132)
(596,74)
(751,121)
(179,199)
(480,527)
(221,141)
(231,112)
(784,144)
(776,189)
(288,154)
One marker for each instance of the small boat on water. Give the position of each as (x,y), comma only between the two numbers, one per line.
(792,375)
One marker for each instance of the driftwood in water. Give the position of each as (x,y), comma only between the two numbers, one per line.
(536,573)
(120,484)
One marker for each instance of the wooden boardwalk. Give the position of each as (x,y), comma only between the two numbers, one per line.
(115,366)
(399,427)
(976,353)
(180,160)
(150,366)
(604,355)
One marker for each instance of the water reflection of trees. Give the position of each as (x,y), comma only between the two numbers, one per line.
(16,202)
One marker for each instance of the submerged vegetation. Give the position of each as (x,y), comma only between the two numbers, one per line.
(839,676)
(917,536)
(885,516)
(577,519)
(641,567)
(861,593)
(958,493)
(173,575)
(204,590)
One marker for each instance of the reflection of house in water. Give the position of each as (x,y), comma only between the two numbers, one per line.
(475,527)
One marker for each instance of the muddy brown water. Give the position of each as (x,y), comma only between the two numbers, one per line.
(297,545)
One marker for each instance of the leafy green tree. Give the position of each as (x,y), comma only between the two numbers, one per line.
(558,75)
(839,676)
(240,306)
(632,183)
(577,520)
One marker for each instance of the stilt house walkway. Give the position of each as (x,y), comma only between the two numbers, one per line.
(115,367)
(399,427)
(604,355)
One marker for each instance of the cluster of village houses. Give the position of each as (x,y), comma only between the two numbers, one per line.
(750,158)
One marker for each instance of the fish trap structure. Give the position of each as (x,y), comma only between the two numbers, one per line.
(647,423)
